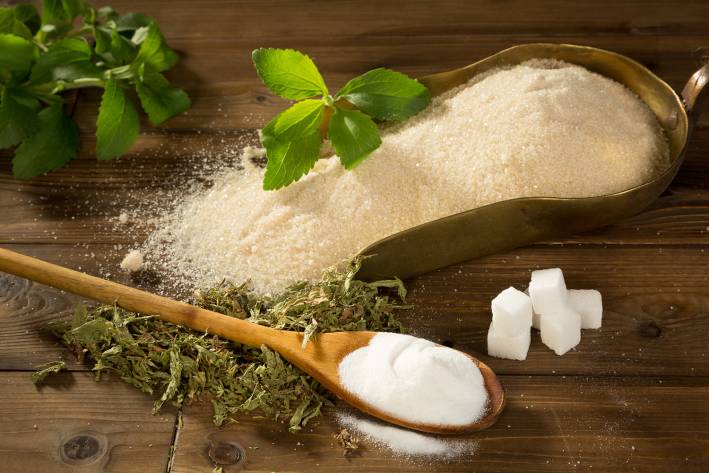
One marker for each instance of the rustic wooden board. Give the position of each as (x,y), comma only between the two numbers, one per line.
(76,424)
(80,204)
(346,40)
(631,398)
(550,424)
(655,321)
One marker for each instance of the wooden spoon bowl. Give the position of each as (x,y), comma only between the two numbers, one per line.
(320,358)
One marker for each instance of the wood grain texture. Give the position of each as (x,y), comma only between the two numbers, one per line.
(75,424)
(631,398)
(655,321)
(215,39)
(81,203)
(552,424)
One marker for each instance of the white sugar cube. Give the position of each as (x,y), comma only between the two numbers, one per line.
(547,290)
(536,320)
(503,346)
(536,317)
(589,304)
(512,312)
(561,331)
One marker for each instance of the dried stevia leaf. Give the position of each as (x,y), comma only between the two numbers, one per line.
(179,365)
(46,369)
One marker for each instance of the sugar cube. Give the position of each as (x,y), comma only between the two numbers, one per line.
(503,346)
(512,312)
(536,320)
(536,316)
(561,331)
(589,304)
(547,290)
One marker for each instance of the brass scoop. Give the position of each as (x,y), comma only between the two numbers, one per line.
(517,222)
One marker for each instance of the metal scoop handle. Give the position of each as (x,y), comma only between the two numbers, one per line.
(695,91)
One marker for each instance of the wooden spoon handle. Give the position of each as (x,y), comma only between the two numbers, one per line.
(133,299)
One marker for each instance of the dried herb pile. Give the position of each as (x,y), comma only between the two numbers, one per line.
(178,365)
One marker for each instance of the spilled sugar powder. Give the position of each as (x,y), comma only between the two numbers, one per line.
(542,128)
(404,442)
(132,262)
(415,380)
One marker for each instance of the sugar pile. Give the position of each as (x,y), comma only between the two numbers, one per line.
(543,128)
(404,442)
(415,380)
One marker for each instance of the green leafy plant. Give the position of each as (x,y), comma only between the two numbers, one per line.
(72,46)
(293,139)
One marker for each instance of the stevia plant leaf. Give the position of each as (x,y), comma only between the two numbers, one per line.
(386,95)
(160,99)
(132,21)
(102,37)
(67,60)
(118,123)
(289,73)
(53,144)
(16,54)
(61,10)
(46,369)
(27,14)
(292,141)
(354,136)
(10,24)
(153,49)
(17,120)
(288,161)
(122,49)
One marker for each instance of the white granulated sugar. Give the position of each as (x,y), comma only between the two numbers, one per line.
(543,128)
(123,218)
(133,261)
(404,442)
(415,380)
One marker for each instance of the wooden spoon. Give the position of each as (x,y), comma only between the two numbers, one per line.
(320,358)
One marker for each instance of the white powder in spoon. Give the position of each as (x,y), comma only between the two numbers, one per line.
(416,380)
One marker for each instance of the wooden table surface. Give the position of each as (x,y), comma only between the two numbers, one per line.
(634,396)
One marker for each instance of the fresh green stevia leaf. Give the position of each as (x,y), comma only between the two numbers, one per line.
(42,371)
(292,141)
(102,36)
(153,49)
(159,98)
(27,14)
(122,49)
(386,95)
(354,136)
(132,21)
(7,19)
(289,160)
(289,73)
(302,119)
(10,24)
(118,123)
(68,59)
(61,10)
(17,120)
(53,145)
(16,53)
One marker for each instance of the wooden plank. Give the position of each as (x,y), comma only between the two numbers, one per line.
(75,424)
(549,424)
(80,204)
(217,72)
(655,322)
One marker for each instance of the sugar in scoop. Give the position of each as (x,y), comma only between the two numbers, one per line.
(416,380)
